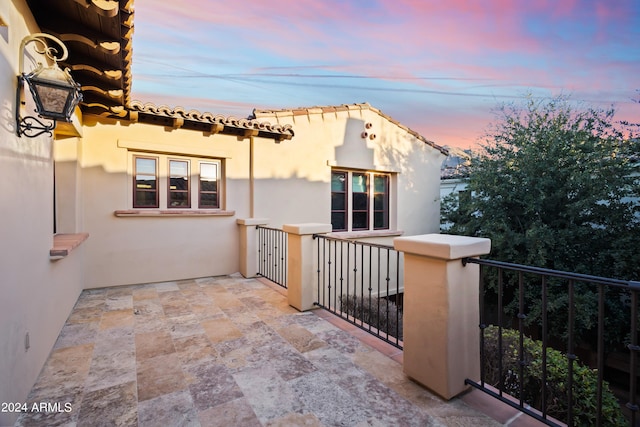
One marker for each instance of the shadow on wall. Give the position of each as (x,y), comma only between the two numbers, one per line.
(357,149)
(399,158)
(395,152)
(293,200)
(24,148)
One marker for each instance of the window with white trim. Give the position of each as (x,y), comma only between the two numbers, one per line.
(359,200)
(179,194)
(145,182)
(209,183)
(176,182)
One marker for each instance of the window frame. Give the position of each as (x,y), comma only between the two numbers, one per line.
(371,201)
(170,191)
(352,211)
(163,182)
(345,193)
(135,181)
(218,166)
(386,198)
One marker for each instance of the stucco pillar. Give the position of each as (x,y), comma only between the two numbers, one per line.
(249,245)
(301,263)
(441,310)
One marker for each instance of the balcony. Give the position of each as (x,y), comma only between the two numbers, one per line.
(229,351)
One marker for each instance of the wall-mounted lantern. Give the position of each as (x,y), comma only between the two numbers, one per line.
(54,91)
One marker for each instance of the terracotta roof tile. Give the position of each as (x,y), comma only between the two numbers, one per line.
(196,120)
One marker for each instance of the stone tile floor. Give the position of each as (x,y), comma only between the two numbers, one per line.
(224,351)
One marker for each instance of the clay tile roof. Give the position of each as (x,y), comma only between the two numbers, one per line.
(206,122)
(345,107)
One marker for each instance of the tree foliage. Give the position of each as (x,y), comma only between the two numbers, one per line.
(557,187)
(503,370)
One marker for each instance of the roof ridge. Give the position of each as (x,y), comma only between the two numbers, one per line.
(320,108)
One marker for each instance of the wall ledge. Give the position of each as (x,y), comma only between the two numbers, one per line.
(307,228)
(364,234)
(138,213)
(252,221)
(63,244)
(443,246)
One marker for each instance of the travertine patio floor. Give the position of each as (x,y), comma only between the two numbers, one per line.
(224,351)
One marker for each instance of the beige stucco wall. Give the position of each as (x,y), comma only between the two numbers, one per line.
(291,185)
(293,182)
(127,250)
(36,294)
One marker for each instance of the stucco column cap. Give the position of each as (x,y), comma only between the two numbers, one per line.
(308,228)
(443,246)
(252,221)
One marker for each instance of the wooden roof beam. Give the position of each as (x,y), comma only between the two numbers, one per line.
(106,8)
(216,128)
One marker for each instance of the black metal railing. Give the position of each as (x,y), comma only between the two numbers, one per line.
(362,283)
(509,318)
(272,254)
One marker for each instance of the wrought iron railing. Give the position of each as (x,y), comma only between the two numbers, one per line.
(362,283)
(512,285)
(272,254)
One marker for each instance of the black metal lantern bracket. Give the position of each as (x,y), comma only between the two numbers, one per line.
(54,91)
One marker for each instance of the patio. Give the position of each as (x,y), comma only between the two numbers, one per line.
(226,351)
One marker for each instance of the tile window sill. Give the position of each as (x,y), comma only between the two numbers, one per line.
(63,244)
(138,213)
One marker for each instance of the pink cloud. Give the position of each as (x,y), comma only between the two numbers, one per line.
(214,106)
(311,29)
(367,41)
(484,51)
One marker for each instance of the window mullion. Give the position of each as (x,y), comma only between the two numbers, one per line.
(349,201)
(370,193)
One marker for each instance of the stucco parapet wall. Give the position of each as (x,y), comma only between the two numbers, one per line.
(351,108)
(305,229)
(443,246)
(252,221)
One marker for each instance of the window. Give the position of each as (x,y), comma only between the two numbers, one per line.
(145,193)
(380,202)
(208,185)
(339,201)
(360,201)
(179,184)
(358,205)
(166,182)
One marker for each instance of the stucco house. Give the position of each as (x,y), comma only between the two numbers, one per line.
(130,193)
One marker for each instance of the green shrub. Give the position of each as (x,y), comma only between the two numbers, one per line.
(585,380)
(379,313)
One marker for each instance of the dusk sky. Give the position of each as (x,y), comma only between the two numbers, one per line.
(438,67)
